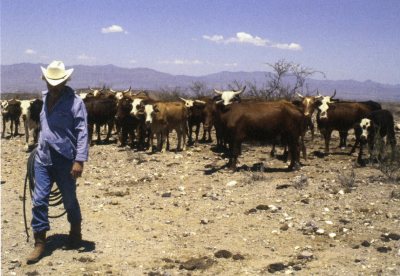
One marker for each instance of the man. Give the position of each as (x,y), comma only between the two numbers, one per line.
(61,151)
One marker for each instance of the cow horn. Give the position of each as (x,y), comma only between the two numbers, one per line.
(298,94)
(334,94)
(218,92)
(199,101)
(240,91)
(183,99)
(128,89)
(112,90)
(319,96)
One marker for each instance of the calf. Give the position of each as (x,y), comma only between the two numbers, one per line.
(371,130)
(195,118)
(162,118)
(101,110)
(31,117)
(11,111)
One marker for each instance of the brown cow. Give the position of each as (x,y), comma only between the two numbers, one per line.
(195,118)
(162,118)
(263,121)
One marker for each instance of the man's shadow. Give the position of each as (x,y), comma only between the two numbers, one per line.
(59,241)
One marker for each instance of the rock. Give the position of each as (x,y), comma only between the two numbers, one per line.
(395,194)
(384,249)
(223,254)
(320,231)
(262,207)
(251,211)
(305,200)
(204,221)
(274,267)
(167,194)
(305,255)
(197,263)
(238,257)
(332,235)
(231,183)
(283,186)
(284,227)
(366,244)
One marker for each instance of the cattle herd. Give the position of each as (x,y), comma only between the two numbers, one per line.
(137,118)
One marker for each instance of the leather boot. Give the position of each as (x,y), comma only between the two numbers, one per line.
(75,236)
(40,243)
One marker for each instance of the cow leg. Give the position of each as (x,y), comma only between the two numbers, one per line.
(303,147)
(183,139)
(197,133)
(234,149)
(16,133)
(110,128)
(4,128)
(360,154)
(294,153)
(179,137)
(343,138)
(122,136)
(11,128)
(327,137)
(26,128)
(98,134)
(90,128)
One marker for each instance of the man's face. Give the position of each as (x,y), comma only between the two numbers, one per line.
(57,88)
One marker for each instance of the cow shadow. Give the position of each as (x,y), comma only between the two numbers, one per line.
(59,241)
(257,167)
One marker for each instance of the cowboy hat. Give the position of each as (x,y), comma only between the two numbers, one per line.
(55,73)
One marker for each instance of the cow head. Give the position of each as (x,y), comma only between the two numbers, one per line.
(188,103)
(308,104)
(136,106)
(324,105)
(228,97)
(365,125)
(150,111)
(120,94)
(96,92)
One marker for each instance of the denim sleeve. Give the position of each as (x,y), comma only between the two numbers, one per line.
(81,132)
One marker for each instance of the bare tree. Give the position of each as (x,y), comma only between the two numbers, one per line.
(278,87)
(199,89)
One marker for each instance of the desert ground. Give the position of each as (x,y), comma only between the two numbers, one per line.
(185,214)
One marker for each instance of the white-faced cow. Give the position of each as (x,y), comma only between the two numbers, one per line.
(11,111)
(258,121)
(31,117)
(372,130)
(342,116)
(195,117)
(163,117)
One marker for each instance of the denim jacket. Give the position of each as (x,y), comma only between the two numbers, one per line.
(64,129)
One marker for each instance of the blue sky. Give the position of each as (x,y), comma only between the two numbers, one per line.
(344,39)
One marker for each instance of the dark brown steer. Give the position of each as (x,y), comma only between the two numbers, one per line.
(264,122)
(341,116)
(372,129)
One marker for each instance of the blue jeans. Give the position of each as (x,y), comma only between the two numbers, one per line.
(45,176)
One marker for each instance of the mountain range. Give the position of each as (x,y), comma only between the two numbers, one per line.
(26,77)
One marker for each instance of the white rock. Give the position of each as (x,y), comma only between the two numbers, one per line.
(329,222)
(231,183)
(320,231)
(332,235)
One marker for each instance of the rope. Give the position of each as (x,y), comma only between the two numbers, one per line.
(55,198)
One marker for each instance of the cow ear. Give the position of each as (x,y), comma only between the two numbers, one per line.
(155,108)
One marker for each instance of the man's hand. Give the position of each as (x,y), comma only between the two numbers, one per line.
(77,169)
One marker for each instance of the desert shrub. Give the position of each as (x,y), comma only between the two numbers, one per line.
(347,180)
(390,165)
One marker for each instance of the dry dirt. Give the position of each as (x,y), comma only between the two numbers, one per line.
(182,214)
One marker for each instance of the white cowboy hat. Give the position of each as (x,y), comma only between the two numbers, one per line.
(55,73)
